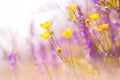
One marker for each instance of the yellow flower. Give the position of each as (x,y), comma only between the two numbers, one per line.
(115,3)
(71,16)
(94,16)
(46,24)
(45,35)
(102,27)
(67,33)
(72,7)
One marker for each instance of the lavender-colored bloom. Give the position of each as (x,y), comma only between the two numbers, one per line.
(42,51)
(79,13)
(85,31)
(32,50)
(116,51)
(119,10)
(31,28)
(95,1)
(12,59)
(105,18)
(76,37)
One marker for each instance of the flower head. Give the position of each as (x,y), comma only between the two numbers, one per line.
(46,24)
(72,7)
(67,33)
(102,27)
(94,16)
(45,35)
(71,16)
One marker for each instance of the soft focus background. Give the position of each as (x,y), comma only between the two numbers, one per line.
(19,21)
(16,18)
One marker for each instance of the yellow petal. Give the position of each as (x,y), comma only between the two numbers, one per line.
(72,7)
(102,27)
(94,16)
(46,24)
(45,35)
(67,33)
(114,3)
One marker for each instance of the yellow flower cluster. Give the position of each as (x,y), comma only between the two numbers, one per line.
(113,3)
(47,32)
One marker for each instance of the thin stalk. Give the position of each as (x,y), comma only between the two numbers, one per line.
(70,48)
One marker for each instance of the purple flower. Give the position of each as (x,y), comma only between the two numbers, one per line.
(95,1)
(116,51)
(119,10)
(79,13)
(42,51)
(85,34)
(12,59)
(31,28)
(76,37)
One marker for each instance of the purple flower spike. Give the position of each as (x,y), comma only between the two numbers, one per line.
(87,40)
(119,9)
(79,13)
(11,57)
(31,28)
(76,37)
(42,51)
(95,1)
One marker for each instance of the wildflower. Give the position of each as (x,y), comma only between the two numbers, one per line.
(67,33)
(46,24)
(115,3)
(42,51)
(102,27)
(79,12)
(45,35)
(58,49)
(94,16)
(12,59)
(72,7)
(95,1)
(71,16)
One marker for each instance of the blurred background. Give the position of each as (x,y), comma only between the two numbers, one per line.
(17,19)
(20,32)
